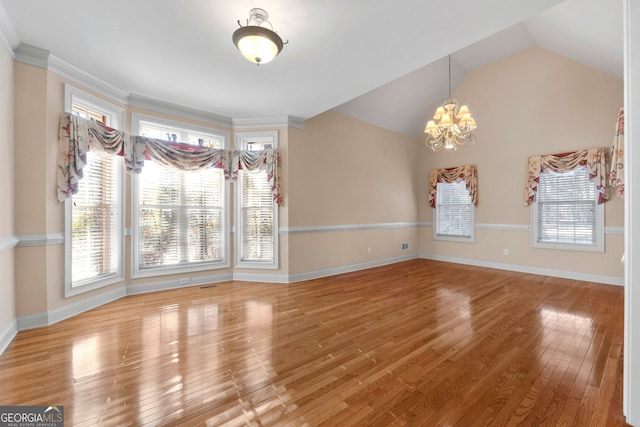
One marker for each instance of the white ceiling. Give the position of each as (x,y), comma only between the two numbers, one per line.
(382,61)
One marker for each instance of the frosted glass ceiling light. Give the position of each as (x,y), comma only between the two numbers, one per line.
(451,126)
(257,43)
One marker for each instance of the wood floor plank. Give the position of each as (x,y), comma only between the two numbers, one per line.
(414,343)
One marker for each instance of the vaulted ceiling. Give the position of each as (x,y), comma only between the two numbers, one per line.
(381,61)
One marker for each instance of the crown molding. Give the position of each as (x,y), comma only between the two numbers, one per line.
(42,58)
(161,106)
(8,32)
(32,55)
(73,73)
(272,121)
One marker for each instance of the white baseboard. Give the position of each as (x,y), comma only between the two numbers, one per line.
(299,277)
(49,318)
(8,335)
(262,278)
(597,278)
(175,284)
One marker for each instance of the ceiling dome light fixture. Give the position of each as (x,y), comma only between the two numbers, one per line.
(257,43)
(453,127)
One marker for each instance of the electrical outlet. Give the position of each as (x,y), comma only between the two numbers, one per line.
(505,251)
(368,250)
(406,246)
(185,281)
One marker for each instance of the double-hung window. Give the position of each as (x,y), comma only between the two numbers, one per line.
(256,211)
(180,218)
(565,214)
(454,214)
(93,221)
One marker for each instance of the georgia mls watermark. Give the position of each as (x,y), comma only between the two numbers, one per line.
(31,416)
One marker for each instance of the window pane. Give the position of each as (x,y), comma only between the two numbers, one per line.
(566,204)
(453,210)
(94,221)
(181,216)
(257,215)
(454,220)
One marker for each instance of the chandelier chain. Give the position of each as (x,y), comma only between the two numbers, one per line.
(449,76)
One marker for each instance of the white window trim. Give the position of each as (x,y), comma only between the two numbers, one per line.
(597,247)
(74,95)
(136,118)
(240,138)
(136,272)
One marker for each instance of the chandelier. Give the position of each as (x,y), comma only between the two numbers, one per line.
(257,43)
(451,126)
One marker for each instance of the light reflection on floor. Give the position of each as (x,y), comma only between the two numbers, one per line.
(275,354)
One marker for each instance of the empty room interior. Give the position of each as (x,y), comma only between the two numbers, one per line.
(398,213)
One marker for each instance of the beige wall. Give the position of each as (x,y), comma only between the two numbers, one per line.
(7,185)
(345,173)
(30,84)
(534,102)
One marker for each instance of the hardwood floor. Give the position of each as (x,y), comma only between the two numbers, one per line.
(415,343)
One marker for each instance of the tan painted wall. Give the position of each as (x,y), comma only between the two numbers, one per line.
(30,85)
(534,102)
(345,172)
(7,186)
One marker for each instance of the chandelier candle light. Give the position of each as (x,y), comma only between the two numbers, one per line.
(257,43)
(451,126)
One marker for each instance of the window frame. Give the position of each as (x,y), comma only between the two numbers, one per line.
(136,271)
(116,115)
(241,143)
(599,245)
(472,225)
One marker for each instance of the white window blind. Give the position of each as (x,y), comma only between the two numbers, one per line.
(454,213)
(95,221)
(257,214)
(257,222)
(566,208)
(180,218)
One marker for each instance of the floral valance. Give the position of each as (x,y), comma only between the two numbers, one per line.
(184,157)
(616,176)
(467,173)
(77,136)
(594,159)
